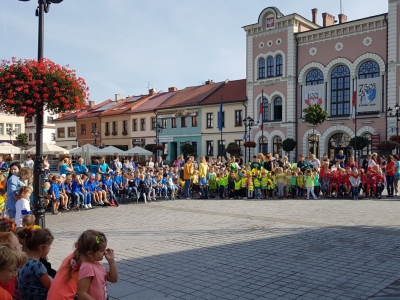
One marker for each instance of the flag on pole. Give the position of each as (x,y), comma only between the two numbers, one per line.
(245,136)
(220,116)
(354,106)
(260,120)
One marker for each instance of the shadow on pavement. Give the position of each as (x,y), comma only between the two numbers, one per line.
(260,263)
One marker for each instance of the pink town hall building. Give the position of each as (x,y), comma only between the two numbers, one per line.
(293,62)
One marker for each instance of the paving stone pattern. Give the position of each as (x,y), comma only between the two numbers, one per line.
(237,249)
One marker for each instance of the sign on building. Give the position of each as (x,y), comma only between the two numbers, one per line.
(369,95)
(312,94)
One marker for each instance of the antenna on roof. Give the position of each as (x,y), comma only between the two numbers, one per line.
(148,85)
(341,7)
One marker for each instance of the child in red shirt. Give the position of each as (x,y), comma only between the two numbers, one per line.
(334,184)
(380,182)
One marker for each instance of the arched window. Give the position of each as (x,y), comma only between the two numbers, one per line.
(278,109)
(265,110)
(263,145)
(339,141)
(278,65)
(315,77)
(340,91)
(368,69)
(277,145)
(261,68)
(367,149)
(270,66)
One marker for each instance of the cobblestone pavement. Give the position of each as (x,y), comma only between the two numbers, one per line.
(245,249)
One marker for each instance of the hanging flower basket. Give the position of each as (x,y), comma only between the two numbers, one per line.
(114,133)
(124,133)
(249,144)
(107,133)
(386,146)
(28,85)
(157,148)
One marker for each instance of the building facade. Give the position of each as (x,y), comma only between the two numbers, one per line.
(293,62)
(10,127)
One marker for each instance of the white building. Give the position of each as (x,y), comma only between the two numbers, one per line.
(10,127)
(49,129)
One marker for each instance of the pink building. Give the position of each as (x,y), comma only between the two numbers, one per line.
(294,62)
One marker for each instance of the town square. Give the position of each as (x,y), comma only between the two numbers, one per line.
(199,150)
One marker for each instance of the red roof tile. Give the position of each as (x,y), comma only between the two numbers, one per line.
(154,102)
(231,91)
(191,95)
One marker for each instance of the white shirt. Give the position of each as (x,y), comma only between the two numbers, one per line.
(29,163)
(22,207)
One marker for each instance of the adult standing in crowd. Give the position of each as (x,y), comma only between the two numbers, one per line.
(188,169)
(285,163)
(390,171)
(203,169)
(80,167)
(382,164)
(160,162)
(396,174)
(314,162)
(65,167)
(18,178)
(29,162)
(351,163)
(277,161)
(268,162)
(181,162)
(46,165)
(340,157)
(115,164)
(232,164)
(103,168)
(150,163)
(303,164)
(219,162)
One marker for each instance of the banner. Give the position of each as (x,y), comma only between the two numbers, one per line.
(369,94)
(312,94)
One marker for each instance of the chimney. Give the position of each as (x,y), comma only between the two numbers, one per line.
(327,20)
(314,12)
(342,18)
(118,97)
(151,92)
(172,89)
(91,104)
(209,81)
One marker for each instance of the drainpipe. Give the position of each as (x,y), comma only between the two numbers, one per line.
(100,131)
(296,93)
(245,114)
(387,81)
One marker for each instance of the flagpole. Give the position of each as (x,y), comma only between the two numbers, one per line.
(355,118)
(262,122)
(221,125)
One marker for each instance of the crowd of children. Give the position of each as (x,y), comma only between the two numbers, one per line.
(26,274)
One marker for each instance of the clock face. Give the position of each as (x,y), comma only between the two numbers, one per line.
(270,22)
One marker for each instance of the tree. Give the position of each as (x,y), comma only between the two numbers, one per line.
(288,145)
(149,147)
(233,149)
(187,149)
(22,138)
(361,142)
(314,114)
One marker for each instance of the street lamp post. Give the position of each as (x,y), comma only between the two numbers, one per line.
(38,171)
(396,114)
(10,132)
(158,129)
(96,134)
(248,123)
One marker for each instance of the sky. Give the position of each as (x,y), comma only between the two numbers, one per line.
(127,46)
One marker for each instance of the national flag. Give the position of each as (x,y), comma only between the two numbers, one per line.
(220,116)
(354,106)
(260,120)
(245,136)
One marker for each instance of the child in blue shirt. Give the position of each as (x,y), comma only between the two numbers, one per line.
(54,191)
(108,183)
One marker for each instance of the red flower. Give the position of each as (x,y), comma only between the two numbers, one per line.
(26,83)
